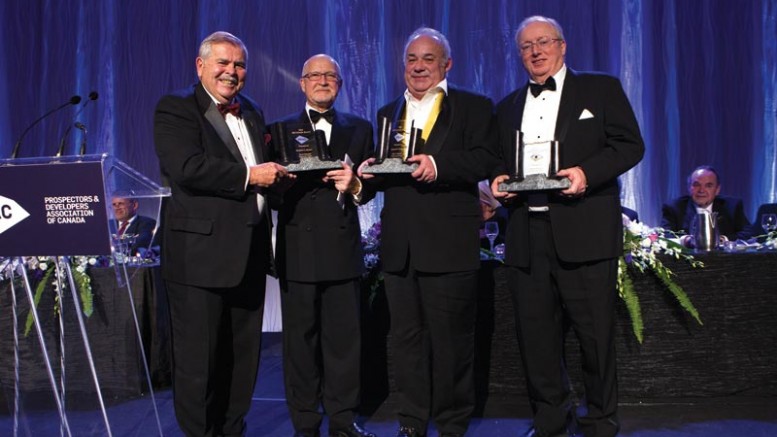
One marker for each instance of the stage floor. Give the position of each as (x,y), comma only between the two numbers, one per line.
(720,417)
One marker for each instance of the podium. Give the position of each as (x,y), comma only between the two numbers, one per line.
(55,217)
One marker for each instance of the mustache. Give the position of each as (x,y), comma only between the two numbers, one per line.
(228,79)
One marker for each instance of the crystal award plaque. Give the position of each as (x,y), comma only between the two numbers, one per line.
(536,167)
(300,148)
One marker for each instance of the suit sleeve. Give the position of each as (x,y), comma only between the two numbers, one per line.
(186,159)
(624,146)
(367,150)
(669,218)
(741,223)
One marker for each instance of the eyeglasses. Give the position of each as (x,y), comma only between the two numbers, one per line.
(542,44)
(315,77)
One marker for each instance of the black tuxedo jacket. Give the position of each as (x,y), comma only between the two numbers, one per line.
(437,224)
(317,239)
(732,222)
(143,227)
(210,218)
(605,145)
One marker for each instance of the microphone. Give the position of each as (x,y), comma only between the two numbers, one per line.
(73,101)
(61,149)
(80,126)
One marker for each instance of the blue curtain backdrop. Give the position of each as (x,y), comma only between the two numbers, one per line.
(701,75)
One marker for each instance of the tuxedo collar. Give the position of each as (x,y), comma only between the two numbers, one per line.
(250,118)
(436,138)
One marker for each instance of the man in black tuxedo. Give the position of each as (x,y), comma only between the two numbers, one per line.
(128,222)
(217,251)
(430,240)
(562,248)
(704,194)
(320,261)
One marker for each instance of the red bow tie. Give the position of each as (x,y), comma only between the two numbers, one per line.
(232,108)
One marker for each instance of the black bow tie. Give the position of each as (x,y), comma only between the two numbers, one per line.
(536,88)
(328,116)
(231,108)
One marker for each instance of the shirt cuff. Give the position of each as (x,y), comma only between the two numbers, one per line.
(357,196)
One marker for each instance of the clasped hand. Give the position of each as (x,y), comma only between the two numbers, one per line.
(576,176)
(424,173)
(268,174)
(344,178)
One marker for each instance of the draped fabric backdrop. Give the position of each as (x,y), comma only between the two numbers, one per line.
(701,75)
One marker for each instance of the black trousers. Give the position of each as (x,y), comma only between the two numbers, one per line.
(432,343)
(544,295)
(216,337)
(321,353)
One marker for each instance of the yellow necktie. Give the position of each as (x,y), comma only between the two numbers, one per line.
(427,127)
(432,115)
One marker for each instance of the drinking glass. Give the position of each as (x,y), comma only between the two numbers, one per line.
(491,230)
(769,222)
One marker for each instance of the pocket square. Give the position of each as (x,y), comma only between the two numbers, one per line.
(586,114)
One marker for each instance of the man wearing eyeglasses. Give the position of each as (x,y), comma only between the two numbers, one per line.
(562,248)
(430,241)
(320,261)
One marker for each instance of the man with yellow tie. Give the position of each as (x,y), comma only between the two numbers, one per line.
(430,240)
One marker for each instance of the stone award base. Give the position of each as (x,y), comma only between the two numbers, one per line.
(535,182)
(390,165)
(309,163)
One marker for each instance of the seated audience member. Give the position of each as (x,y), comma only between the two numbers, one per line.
(125,211)
(703,194)
(756,228)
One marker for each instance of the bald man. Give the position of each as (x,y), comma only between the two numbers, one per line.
(320,260)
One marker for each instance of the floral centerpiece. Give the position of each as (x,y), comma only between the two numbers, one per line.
(47,271)
(641,245)
(373,276)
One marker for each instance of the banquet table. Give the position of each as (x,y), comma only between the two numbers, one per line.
(733,353)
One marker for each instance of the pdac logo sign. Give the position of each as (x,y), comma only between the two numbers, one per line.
(10,214)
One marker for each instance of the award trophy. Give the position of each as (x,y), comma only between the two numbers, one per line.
(300,148)
(536,165)
(394,147)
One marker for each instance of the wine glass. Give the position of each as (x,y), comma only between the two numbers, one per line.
(491,230)
(769,222)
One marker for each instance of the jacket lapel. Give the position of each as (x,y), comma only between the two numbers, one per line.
(566,106)
(516,114)
(214,117)
(436,138)
(338,139)
(255,130)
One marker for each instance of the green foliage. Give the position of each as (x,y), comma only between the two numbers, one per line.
(630,298)
(81,279)
(36,299)
(641,245)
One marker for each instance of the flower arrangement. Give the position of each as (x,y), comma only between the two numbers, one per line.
(372,276)
(641,245)
(45,271)
(49,270)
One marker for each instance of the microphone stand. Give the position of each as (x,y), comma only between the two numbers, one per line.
(73,101)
